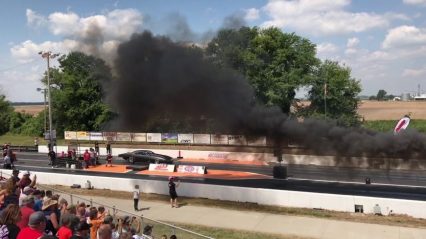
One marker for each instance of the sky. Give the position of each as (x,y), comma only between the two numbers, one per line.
(382,41)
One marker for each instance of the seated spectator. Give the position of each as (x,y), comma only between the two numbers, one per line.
(36,226)
(26,211)
(81,231)
(8,219)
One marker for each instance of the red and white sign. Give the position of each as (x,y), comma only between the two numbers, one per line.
(191,169)
(161,167)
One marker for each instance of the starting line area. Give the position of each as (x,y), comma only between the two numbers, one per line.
(216,174)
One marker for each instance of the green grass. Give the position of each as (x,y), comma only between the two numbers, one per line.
(21,140)
(389,125)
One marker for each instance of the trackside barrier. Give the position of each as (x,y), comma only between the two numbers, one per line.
(161,167)
(192,169)
(159,229)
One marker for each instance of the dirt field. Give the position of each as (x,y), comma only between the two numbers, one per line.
(370,110)
(392,110)
(29,109)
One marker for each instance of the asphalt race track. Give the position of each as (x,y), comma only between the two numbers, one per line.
(401,184)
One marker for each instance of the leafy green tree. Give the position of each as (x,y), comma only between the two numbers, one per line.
(381,95)
(33,126)
(77,93)
(16,120)
(6,110)
(275,63)
(334,93)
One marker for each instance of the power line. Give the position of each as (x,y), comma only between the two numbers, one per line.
(15,66)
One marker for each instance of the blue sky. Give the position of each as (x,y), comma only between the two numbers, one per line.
(382,41)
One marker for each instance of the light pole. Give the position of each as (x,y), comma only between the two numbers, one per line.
(49,55)
(44,93)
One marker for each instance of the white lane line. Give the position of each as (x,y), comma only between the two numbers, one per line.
(356,182)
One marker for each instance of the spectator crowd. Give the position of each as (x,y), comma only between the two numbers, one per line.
(29,213)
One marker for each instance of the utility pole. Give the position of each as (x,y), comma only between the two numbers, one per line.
(45,107)
(48,55)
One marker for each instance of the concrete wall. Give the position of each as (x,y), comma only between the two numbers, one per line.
(379,163)
(344,203)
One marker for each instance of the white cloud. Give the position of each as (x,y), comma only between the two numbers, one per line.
(321,17)
(34,19)
(352,42)
(326,50)
(252,14)
(404,36)
(419,72)
(97,34)
(415,2)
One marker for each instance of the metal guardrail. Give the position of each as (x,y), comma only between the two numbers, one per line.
(160,228)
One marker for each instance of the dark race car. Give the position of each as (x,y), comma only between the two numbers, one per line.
(146,156)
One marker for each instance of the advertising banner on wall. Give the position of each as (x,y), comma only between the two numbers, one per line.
(161,167)
(96,136)
(70,135)
(83,135)
(153,137)
(201,139)
(237,140)
(124,136)
(219,139)
(185,138)
(169,138)
(139,137)
(258,141)
(191,169)
(109,136)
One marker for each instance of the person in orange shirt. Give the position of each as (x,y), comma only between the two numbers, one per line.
(95,222)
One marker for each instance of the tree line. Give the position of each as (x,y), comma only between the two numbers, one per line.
(275,63)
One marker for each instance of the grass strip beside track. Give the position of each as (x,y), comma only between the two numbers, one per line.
(394,220)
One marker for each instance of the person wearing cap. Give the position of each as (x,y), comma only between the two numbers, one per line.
(36,226)
(26,211)
(81,231)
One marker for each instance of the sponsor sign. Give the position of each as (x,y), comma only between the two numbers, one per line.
(109,136)
(237,140)
(96,136)
(124,136)
(217,155)
(161,167)
(185,138)
(201,138)
(259,141)
(219,139)
(191,169)
(83,135)
(153,137)
(139,137)
(70,135)
(169,138)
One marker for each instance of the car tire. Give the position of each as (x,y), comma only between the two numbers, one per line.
(132,160)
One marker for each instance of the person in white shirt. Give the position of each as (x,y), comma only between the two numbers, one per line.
(136,195)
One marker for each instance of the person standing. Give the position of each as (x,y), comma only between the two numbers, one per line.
(82,231)
(172,191)
(86,158)
(108,147)
(52,157)
(26,211)
(97,147)
(109,160)
(136,195)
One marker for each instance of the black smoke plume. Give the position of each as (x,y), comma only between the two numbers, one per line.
(162,81)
